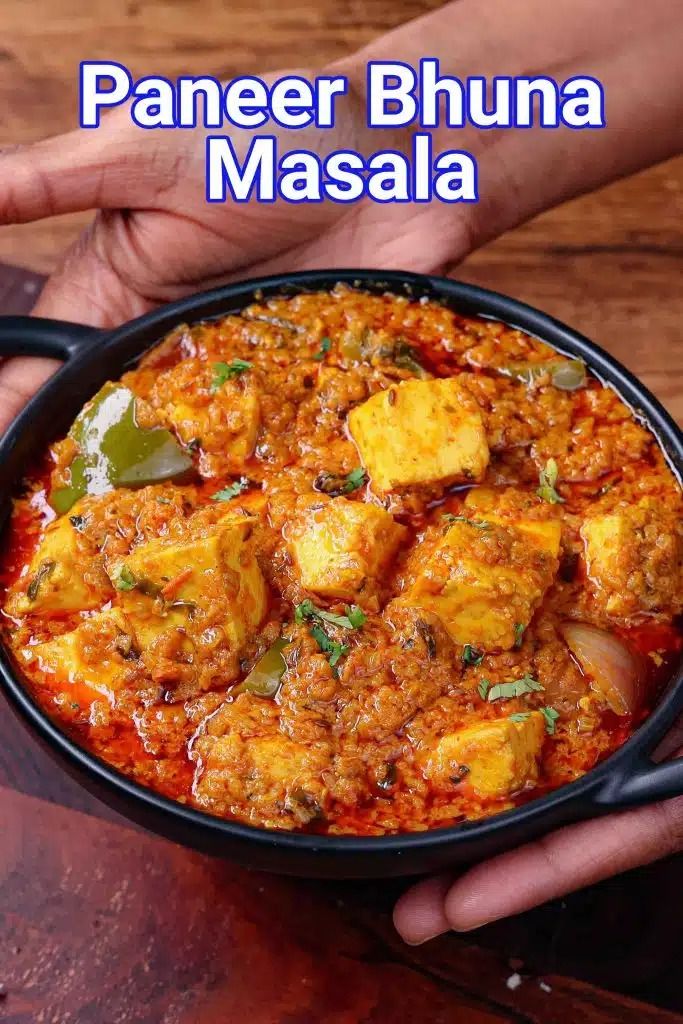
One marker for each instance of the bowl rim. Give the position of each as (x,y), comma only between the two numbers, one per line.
(148,330)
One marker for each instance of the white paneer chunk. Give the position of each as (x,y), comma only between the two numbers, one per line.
(342,547)
(420,432)
(499,757)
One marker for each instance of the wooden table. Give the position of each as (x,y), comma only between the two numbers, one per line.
(101,923)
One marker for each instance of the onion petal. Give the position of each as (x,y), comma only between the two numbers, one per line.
(615,672)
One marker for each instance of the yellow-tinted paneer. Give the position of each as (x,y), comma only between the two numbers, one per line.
(485,579)
(634,557)
(341,547)
(248,767)
(99,654)
(420,432)
(518,510)
(501,756)
(205,586)
(65,575)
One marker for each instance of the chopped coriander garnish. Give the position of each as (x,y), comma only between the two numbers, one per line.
(232,490)
(226,371)
(519,716)
(483,688)
(331,648)
(336,651)
(355,479)
(355,615)
(515,689)
(547,479)
(472,655)
(551,716)
(481,524)
(330,483)
(325,346)
(125,580)
(354,618)
(519,634)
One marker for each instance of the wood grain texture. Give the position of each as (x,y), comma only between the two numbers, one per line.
(100,924)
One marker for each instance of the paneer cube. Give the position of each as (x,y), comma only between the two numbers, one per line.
(65,575)
(501,756)
(485,581)
(208,579)
(342,547)
(98,655)
(517,510)
(420,432)
(247,767)
(634,558)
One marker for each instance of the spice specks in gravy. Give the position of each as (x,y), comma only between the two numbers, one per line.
(348,563)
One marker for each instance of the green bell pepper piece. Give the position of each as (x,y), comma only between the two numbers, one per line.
(115,452)
(266,675)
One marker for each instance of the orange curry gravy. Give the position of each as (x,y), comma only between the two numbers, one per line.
(392,511)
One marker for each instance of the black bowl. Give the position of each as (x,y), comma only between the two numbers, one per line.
(627,778)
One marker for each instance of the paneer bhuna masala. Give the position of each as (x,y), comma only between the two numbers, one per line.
(348,563)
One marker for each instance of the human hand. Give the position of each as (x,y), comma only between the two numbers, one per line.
(155,239)
(562,862)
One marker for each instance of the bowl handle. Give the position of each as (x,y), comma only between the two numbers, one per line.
(643,782)
(35,336)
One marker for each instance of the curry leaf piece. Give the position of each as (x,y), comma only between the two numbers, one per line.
(266,676)
(519,633)
(114,451)
(325,346)
(551,716)
(547,479)
(514,689)
(483,688)
(125,579)
(472,655)
(223,372)
(232,490)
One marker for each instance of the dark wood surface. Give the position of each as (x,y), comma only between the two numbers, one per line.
(101,923)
